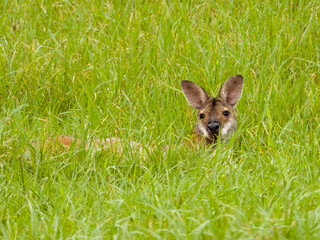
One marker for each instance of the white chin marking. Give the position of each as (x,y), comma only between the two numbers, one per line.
(226,129)
(204,131)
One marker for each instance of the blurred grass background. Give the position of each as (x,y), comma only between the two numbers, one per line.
(97,69)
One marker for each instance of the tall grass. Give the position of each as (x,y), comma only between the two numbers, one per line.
(98,69)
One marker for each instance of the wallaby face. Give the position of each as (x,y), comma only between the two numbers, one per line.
(215,115)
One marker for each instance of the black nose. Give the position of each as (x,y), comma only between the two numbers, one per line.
(214,127)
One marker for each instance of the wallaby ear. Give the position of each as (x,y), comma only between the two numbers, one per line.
(194,94)
(231,90)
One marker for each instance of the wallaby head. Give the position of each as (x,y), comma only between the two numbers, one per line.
(215,115)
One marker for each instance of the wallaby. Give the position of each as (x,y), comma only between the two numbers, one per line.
(216,116)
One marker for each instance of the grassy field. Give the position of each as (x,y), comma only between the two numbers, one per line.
(91,69)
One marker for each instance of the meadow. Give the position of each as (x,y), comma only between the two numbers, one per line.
(98,69)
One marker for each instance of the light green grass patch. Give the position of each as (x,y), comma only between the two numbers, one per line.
(101,69)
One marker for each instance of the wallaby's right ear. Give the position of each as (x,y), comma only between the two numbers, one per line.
(194,94)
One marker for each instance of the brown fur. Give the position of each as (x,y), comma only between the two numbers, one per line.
(210,110)
(61,143)
(216,116)
(213,110)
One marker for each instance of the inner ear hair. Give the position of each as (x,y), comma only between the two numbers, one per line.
(194,94)
(231,90)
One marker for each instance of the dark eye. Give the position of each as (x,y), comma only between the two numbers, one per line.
(201,116)
(226,113)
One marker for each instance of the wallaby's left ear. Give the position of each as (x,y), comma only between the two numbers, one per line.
(231,90)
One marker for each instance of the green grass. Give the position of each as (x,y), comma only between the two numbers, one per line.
(96,70)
